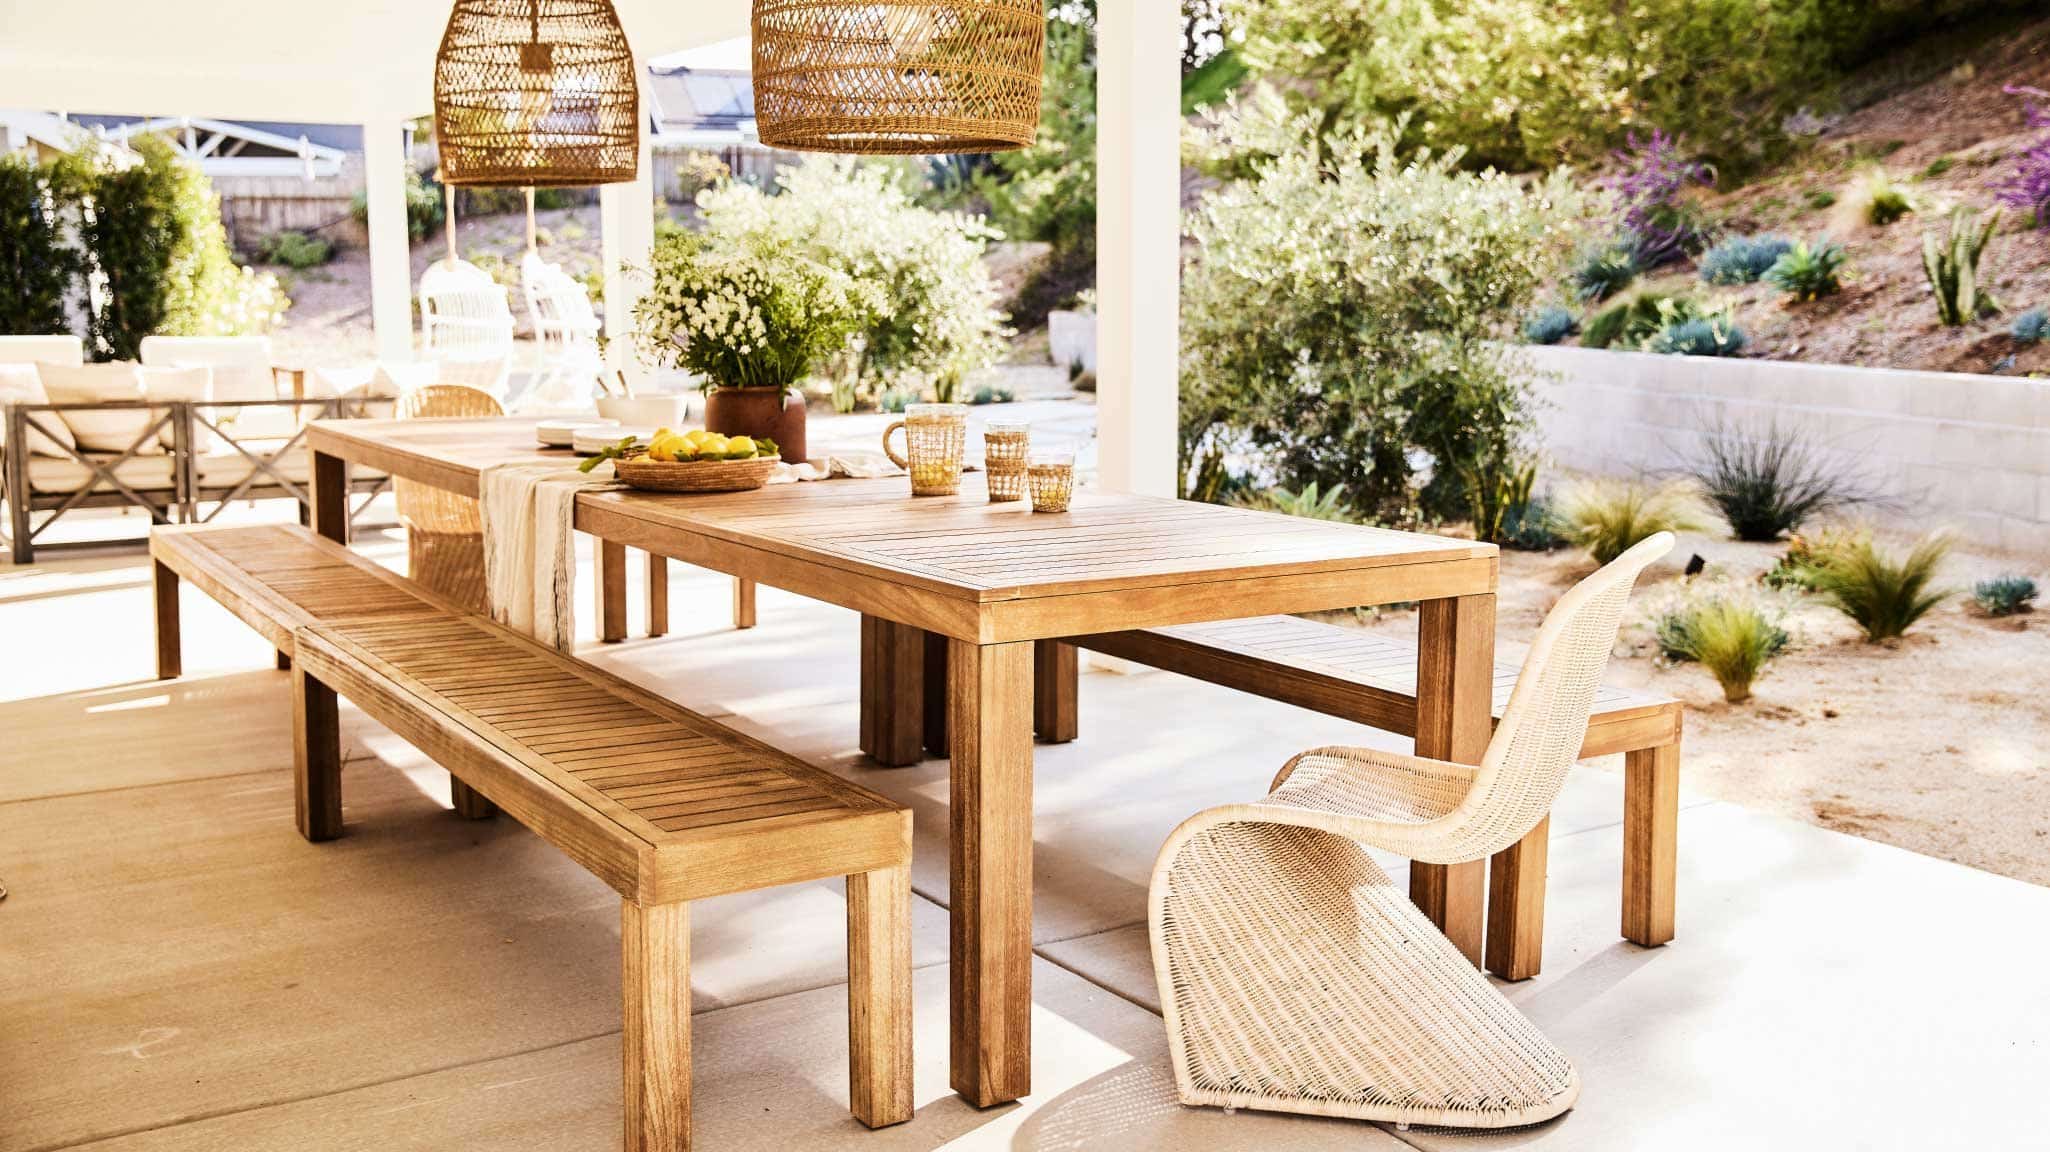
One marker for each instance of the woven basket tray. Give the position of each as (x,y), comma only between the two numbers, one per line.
(695,475)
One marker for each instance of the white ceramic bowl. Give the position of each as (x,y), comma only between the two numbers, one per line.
(659,411)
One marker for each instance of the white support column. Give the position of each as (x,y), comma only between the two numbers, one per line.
(391,273)
(627,227)
(1138,242)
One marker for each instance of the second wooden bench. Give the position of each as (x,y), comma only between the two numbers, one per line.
(661,804)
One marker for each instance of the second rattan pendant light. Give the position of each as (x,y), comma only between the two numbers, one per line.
(536,92)
(898,76)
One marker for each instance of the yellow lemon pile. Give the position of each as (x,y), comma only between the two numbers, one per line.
(669,445)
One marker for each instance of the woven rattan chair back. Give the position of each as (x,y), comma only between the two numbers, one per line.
(444,531)
(1542,728)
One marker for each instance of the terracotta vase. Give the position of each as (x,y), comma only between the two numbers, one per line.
(759,412)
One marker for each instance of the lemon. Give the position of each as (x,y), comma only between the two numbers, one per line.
(740,448)
(697,435)
(713,445)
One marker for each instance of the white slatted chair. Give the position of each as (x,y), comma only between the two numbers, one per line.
(1296,977)
(466,320)
(566,329)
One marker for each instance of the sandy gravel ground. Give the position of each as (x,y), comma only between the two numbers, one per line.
(1940,746)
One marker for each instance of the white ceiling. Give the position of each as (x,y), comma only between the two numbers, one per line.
(337,61)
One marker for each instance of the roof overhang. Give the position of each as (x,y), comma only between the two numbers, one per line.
(270,59)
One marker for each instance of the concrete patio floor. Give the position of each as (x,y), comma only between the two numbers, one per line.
(178,970)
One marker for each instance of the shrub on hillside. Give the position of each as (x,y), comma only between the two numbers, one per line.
(2026,188)
(1951,263)
(1549,325)
(1698,337)
(1809,271)
(1650,188)
(1742,259)
(1603,270)
(2031,326)
(1342,306)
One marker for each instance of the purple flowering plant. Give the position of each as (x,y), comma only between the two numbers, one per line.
(1649,189)
(2027,187)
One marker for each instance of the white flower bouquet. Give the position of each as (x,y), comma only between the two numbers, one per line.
(747,311)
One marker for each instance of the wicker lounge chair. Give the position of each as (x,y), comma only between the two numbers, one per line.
(1296,977)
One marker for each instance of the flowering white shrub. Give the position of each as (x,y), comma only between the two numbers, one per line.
(937,320)
(746,309)
(1341,310)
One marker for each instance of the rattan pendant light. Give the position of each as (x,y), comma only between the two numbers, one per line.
(536,92)
(898,76)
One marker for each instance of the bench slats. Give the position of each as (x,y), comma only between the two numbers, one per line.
(1355,675)
(682,791)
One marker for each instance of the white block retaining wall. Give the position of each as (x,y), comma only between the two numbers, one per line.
(1966,452)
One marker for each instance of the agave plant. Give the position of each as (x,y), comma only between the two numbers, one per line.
(2005,595)
(1809,271)
(1309,502)
(1952,265)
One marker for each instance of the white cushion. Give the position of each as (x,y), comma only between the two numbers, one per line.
(42,350)
(191,385)
(107,431)
(253,382)
(22,384)
(142,473)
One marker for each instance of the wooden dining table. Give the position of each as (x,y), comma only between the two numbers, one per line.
(989,592)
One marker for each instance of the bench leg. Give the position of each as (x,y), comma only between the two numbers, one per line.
(1516,905)
(316,758)
(1651,833)
(611,592)
(743,603)
(170,658)
(654,946)
(892,691)
(1055,707)
(658,595)
(879,996)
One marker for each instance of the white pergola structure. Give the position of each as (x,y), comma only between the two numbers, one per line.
(372,63)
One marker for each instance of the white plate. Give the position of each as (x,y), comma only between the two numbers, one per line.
(562,433)
(591,441)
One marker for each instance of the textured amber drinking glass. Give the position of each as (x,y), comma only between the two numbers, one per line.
(935,436)
(1005,443)
(1051,477)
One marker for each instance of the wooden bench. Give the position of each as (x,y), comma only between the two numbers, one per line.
(663,805)
(277,578)
(1354,675)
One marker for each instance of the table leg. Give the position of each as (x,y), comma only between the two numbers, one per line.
(658,595)
(1651,827)
(1055,672)
(611,591)
(1455,686)
(936,696)
(743,602)
(989,701)
(892,691)
(330,497)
